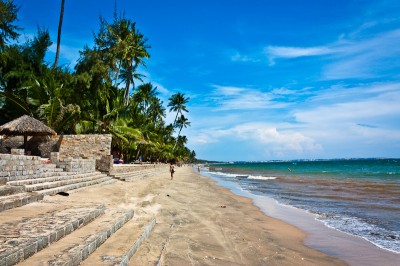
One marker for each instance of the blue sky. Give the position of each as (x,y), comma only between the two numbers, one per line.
(267,80)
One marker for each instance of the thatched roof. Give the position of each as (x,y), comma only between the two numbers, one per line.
(26,126)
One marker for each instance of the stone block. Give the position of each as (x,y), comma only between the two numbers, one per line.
(29,250)
(12,259)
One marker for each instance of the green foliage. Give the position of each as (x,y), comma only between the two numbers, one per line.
(8,15)
(96,97)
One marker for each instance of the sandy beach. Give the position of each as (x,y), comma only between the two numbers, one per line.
(200,223)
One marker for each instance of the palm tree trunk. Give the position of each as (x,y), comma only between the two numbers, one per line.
(128,84)
(176,117)
(179,133)
(117,75)
(59,33)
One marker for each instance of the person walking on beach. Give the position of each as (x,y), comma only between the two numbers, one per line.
(198,169)
(172,170)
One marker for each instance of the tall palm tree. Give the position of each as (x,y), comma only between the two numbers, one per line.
(144,95)
(178,102)
(59,33)
(181,122)
(129,47)
(156,111)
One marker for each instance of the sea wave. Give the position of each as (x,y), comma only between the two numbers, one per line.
(262,177)
(385,239)
(243,176)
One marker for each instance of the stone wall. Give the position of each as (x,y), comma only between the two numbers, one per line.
(84,146)
(77,165)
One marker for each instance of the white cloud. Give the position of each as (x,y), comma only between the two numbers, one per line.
(235,98)
(337,122)
(293,52)
(237,57)
(261,138)
(362,58)
(365,120)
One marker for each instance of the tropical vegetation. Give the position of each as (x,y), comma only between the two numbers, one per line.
(104,93)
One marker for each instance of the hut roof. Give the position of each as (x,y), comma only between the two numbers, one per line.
(26,126)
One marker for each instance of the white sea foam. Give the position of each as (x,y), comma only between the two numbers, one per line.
(243,176)
(262,177)
(373,234)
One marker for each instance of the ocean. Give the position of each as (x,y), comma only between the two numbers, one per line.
(360,197)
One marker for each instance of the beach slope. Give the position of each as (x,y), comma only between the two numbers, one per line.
(197,223)
(200,223)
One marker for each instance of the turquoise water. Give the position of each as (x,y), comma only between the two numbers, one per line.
(360,196)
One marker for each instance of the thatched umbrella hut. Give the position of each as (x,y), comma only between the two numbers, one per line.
(26,126)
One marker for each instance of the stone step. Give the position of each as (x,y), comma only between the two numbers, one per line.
(45,177)
(30,173)
(132,172)
(23,238)
(152,250)
(119,248)
(135,173)
(53,191)
(9,190)
(18,200)
(63,182)
(51,178)
(107,182)
(77,246)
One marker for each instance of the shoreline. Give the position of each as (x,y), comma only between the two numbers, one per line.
(198,222)
(210,225)
(352,249)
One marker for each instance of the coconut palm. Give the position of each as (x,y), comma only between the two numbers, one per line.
(144,95)
(128,48)
(181,122)
(178,102)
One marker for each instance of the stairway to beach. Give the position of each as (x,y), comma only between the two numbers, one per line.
(39,226)
(134,172)
(26,179)
(45,234)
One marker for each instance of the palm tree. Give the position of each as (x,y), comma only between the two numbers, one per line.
(59,33)
(156,111)
(178,102)
(181,122)
(129,47)
(144,95)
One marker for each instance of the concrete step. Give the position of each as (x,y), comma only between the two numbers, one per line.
(77,246)
(18,200)
(53,191)
(44,177)
(151,252)
(63,182)
(129,173)
(9,190)
(107,182)
(135,173)
(23,238)
(30,174)
(119,248)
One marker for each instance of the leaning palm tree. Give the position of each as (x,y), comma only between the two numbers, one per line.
(59,33)
(178,102)
(181,122)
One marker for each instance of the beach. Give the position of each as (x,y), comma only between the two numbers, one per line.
(200,223)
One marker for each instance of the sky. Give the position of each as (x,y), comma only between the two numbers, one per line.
(267,79)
